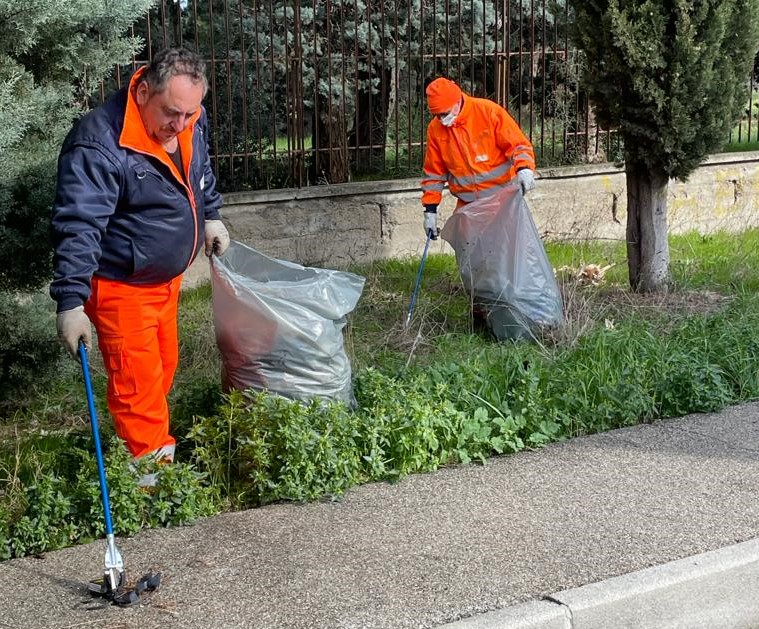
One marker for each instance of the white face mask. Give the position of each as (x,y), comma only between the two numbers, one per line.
(449,118)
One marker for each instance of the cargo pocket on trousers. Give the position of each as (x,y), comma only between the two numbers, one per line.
(121,378)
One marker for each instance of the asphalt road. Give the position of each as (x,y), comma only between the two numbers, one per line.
(433,548)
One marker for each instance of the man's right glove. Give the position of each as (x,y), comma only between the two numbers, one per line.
(74,325)
(526,180)
(430,221)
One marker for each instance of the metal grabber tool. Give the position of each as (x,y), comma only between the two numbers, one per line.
(418,279)
(113,584)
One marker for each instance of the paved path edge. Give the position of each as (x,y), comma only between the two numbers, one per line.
(717,589)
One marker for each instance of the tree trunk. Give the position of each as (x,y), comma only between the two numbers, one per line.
(647,246)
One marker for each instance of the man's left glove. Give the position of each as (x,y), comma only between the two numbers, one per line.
(526,179)
(217,238)
(73,325)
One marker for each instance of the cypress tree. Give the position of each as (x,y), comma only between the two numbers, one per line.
(672,76)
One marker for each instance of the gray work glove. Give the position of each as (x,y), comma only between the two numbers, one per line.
(74,325)
(430,221)
(217,238)
(526,179)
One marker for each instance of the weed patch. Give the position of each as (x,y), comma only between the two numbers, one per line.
(50,495)
(433,393)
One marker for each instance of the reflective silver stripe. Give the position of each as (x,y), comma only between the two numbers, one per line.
(496,173)
(468,197)
(428,175)
(525,153)
(524,156)
(433,186)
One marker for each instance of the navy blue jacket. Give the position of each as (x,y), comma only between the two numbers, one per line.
(121,214)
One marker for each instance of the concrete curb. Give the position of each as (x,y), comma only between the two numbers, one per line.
(532,615)
(714,590)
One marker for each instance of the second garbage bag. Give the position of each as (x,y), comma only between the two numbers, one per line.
(279,324)
(504,266)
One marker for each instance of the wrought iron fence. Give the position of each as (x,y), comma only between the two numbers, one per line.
(326,91)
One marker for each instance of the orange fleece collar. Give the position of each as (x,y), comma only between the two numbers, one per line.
(134,135)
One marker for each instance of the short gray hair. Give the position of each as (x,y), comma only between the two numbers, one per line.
(171,62)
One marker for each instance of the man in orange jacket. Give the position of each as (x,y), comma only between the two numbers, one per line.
(136,200)
(474,146)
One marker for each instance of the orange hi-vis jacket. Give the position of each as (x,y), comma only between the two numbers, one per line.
(481,152)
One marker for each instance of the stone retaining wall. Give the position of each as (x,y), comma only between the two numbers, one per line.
(334,226)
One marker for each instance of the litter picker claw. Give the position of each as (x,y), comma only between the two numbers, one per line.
(113,584)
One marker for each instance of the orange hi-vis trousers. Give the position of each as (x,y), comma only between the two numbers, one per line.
(137,336)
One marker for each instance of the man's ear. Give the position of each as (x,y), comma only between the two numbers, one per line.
(142,93)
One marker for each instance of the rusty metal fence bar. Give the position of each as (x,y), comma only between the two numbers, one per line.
(304,92)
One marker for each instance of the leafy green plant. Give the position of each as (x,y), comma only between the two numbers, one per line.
(180,497)
(193,399)
(126,500)
(406,424)
(6,551)
(600,383)
(261,448)
(47,521)
(55,500)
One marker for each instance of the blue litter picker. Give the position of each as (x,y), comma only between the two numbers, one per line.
(113,584)
(418,280)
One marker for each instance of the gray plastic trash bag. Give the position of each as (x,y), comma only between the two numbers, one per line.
(279,325)
(503,264)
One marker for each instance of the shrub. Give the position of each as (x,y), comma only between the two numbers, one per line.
(29,350)
(52,57)
(54,497)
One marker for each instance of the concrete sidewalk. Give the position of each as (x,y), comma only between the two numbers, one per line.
(515,543)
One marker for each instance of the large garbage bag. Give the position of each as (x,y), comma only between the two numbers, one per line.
(504,266)
(279,325)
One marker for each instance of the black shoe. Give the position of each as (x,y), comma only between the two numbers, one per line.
(480,318)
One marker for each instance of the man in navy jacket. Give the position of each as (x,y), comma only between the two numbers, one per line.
(136,200)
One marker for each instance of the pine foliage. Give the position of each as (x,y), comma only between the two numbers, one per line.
(671,75)
(53,54)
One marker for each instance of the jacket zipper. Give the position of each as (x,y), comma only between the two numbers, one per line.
(190,198)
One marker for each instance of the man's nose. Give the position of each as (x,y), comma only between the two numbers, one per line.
(178,124)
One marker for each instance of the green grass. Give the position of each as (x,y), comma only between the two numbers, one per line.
(722,262)
(701,265)
(433,393)
(743,146)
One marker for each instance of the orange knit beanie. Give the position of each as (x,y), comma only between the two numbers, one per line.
(442,95)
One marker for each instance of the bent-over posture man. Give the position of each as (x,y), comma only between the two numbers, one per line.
(136,200)
(474,146)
